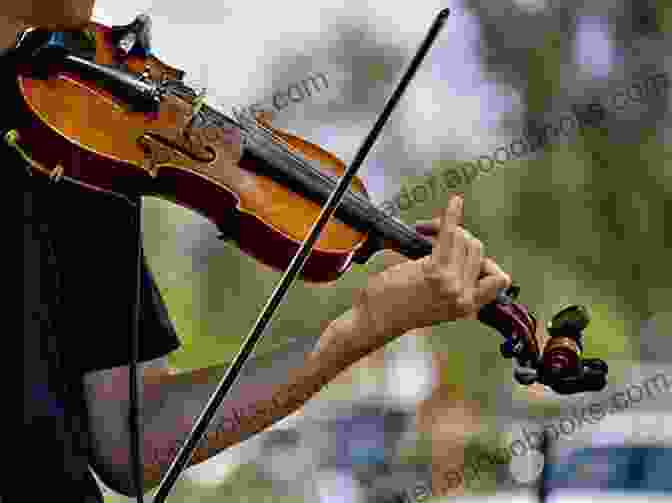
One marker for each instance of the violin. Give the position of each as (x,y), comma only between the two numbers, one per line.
(104,113)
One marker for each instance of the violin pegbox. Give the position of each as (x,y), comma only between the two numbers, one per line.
(558,364)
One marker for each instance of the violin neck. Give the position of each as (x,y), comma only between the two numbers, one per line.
(389,233)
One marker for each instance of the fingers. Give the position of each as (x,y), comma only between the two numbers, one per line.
(461,254)
(490,268)
(467,251)
(474,258)
(494,280)
(450,249)
(431,227)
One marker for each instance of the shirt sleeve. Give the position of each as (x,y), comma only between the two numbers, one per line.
(157,336)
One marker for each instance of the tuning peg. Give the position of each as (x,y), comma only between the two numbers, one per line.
(574,318)
(525,375)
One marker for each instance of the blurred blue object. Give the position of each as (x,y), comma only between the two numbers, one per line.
(360,441)
(618,468)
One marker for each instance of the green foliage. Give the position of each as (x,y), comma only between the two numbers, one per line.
(664,14)
(544,72)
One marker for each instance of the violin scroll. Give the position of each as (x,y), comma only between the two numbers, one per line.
(562,366)
(558,364)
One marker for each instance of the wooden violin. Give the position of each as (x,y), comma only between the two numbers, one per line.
(104,113)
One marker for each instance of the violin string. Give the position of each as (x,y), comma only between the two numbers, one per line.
(281,145)
(260,133)
(212,116)
(261,129)
(269,138)
(256,127)
(284,147)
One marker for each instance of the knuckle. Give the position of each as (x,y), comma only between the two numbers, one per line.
(430,269)
(466,303)
(454,230)
(443,283)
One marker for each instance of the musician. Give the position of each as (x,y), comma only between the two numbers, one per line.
(79,280)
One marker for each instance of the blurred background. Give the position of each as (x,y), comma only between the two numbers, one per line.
(579,221)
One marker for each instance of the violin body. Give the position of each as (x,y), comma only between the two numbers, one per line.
(78,131)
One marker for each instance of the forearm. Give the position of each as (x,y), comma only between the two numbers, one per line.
(270,389)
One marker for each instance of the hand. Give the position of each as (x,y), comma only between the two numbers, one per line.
(452,283)
(431,228)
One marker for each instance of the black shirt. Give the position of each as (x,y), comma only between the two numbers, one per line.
(79,287)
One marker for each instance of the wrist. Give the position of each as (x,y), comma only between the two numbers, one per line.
(372,307)
(390,300)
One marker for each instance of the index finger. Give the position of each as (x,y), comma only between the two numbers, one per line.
(449,245)
(492,280)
